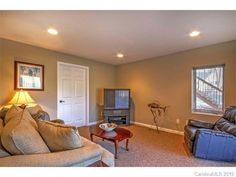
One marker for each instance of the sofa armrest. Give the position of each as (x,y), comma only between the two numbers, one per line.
(107,157)
(80,157)
(215,145)
(200,124)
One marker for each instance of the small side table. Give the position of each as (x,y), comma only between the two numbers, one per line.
(156,110)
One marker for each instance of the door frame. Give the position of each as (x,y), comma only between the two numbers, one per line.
(87,87)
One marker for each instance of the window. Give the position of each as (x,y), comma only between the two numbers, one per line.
(208,89)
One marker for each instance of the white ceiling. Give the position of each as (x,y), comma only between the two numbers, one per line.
(99,35)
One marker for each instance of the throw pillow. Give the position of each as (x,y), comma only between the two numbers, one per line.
(34,109)
(20,135)
(3,112)
(59,137)
(37,113)
(12,112)
(41,115)
(3,152)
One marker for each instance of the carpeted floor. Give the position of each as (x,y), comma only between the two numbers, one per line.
(150,149)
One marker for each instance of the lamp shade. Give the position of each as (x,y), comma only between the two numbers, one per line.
(21,97)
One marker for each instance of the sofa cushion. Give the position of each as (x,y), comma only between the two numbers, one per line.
(3,152)
(225,126)
(59,137)
(20,135)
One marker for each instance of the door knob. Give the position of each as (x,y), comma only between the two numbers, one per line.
(62,101)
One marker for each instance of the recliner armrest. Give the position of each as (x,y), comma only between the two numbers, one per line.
(200,124)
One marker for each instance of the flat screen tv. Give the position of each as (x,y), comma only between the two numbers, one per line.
(116,98)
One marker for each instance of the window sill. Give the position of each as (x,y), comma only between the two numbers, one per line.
(207,114)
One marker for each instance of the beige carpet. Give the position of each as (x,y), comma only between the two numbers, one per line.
(150,149)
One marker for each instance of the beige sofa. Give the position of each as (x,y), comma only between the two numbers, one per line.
(90,154)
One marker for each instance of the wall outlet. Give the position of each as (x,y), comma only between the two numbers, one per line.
(177,121)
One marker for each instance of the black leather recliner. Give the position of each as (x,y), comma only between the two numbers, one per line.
(214,141)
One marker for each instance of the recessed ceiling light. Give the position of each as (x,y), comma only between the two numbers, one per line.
(194,33)
(52,31)
(120,55)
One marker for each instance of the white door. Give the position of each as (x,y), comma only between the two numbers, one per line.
(73,93)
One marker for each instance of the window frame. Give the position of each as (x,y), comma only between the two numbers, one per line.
(193,91)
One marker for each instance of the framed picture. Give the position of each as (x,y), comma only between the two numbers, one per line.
(29,76)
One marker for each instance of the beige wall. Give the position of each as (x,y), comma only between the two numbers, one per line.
(1,56)
(235,67)
(101,75)
(168,79)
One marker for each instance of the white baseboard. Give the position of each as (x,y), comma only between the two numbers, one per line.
(96,122)
(160,128)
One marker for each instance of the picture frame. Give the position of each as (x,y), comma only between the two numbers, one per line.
(28,76)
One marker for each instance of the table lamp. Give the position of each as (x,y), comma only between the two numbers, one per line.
(21,99)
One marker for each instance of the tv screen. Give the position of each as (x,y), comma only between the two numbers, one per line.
(116,98)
